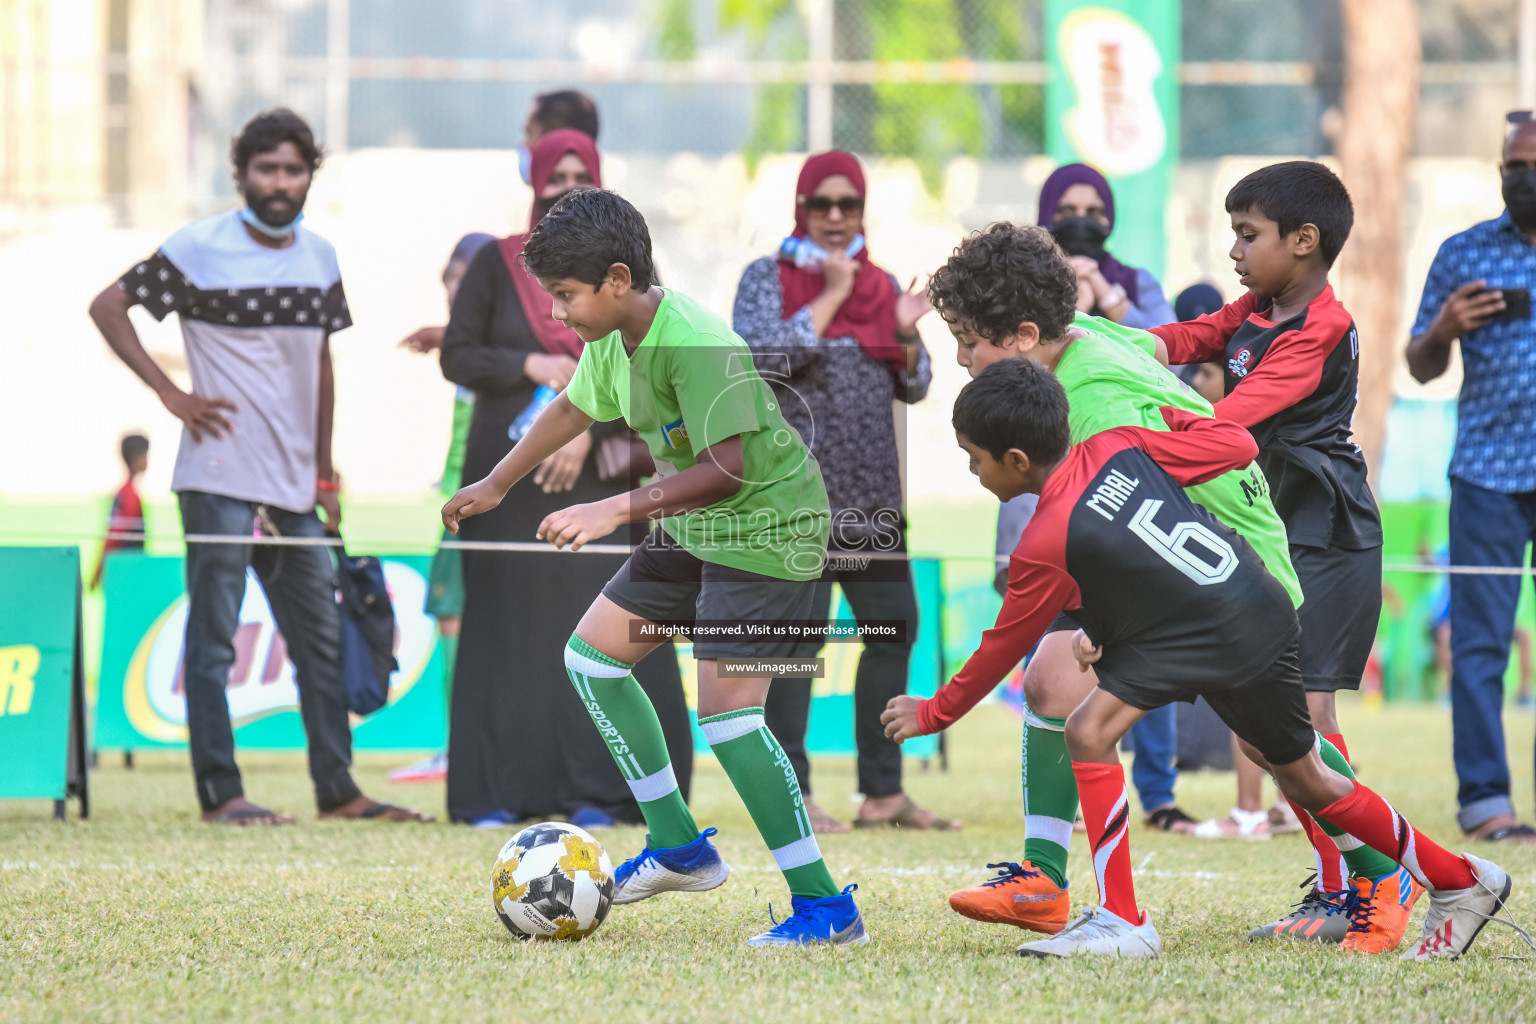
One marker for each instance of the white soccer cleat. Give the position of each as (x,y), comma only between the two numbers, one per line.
(1457,915)
(696,867)
(1099,933)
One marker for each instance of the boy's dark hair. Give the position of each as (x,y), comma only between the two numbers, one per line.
(998,278)
(270,129)
(1299,192)
(1015,403)
(566,109)
(585,233)
(134,446)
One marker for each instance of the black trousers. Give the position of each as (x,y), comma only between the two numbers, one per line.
(882,674)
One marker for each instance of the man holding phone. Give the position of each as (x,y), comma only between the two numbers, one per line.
(1479,290)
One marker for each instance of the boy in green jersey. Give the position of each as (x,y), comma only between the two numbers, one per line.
(1009,293)
(740,539)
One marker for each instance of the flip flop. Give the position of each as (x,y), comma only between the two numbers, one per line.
(380,811)
(905,817)
(1511,834)
(251,816)
(1168,819)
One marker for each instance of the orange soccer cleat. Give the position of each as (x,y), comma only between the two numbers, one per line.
(1021,895)
(1379,912)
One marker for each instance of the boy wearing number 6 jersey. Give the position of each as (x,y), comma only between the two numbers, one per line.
(1173,605)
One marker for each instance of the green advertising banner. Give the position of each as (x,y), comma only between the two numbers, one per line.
(41,687)
(1113,101)
(141,705)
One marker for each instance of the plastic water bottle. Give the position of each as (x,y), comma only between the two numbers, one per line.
(541,399)
(806,254)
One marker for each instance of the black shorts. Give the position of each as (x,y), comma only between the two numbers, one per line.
(1269,711)
(1062,623)
(662,582)
(1339,616)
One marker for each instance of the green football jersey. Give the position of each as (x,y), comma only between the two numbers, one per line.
(690,385)
(1113,379)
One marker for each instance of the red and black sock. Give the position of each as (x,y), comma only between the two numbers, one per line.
(1372,820)
(1106,813)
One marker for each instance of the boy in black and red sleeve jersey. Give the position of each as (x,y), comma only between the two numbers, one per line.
(1291,359)
(1172,605)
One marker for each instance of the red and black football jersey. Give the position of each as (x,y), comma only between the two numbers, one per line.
(1180,603)
(1294,384)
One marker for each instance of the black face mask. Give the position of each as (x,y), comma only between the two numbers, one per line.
(1520,197)
(1081,236)
(545,205)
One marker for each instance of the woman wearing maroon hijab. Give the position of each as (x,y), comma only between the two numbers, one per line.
(835,336)
(1078,208)
(521,744)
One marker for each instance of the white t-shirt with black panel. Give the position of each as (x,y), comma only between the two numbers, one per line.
(253,319)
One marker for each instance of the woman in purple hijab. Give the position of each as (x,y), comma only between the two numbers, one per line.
(1078,208)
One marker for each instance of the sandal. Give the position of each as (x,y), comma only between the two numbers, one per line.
(1510,834)
(906,817)
(251,815)
(1171,819)
(379,812)
(1240,824)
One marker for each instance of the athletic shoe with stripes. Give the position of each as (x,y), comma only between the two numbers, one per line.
(1457,915)
(1099,933)
(696,867)
(830,920)
(1379,911)
(1320,917)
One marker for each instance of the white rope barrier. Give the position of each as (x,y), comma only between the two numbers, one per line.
(541,547)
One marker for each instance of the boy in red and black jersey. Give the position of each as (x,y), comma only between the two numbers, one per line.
(127,514)
(1173,605)
(1291,359)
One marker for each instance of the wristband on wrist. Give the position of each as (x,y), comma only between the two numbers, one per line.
(326,485)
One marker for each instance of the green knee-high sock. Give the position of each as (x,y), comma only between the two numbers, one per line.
(1363,862)
(1050,795)
(764,778)
(628,722)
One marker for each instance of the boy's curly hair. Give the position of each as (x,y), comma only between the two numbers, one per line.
(1003,276)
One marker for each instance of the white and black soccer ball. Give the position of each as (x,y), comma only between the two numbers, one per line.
(552,881)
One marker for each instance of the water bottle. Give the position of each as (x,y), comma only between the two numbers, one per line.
(806,254)
(541,399)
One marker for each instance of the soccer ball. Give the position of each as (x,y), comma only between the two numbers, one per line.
(552,881)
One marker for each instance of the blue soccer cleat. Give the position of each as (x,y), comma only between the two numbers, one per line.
(831,919)
(696,867)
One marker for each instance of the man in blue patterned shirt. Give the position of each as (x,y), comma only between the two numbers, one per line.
(1493,469)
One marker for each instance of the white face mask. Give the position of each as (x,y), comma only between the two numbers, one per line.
(525,164)
(807,255)
(249,216)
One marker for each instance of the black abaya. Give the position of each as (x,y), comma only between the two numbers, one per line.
(520,739)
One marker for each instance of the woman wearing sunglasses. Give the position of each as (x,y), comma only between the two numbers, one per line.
(836,338)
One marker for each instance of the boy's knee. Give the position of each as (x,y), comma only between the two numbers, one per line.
(1085,739)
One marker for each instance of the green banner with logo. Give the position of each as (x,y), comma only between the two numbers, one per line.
(1112,100)
(41,696)
(141,704)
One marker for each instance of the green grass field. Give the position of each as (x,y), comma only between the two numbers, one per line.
(141,913)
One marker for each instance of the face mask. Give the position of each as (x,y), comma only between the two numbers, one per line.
(1520,197)
(807,255)
(1081,236)
(249,216)
(525,164)
(545,205)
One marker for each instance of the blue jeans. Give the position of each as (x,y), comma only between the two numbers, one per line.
(300,584)
(1487,528)
(1156,738)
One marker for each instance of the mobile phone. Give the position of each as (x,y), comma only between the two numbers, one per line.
(1517,305)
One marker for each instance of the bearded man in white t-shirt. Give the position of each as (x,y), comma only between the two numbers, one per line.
(258,297)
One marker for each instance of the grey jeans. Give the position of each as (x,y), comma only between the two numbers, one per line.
(300,586)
